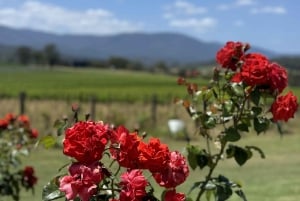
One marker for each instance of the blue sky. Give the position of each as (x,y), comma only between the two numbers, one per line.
(271,24)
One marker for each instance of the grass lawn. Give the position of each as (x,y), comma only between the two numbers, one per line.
(275,178)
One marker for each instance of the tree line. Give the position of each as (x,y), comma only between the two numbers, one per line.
(50,56)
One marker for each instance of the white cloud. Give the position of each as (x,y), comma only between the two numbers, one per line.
(183,14)
(269,9)
(187,8)
(236,4)
(244,2)
(47,17)
(200,25)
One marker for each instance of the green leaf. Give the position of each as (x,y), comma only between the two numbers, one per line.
(261,153)
(243,127)
(223,192)
(256,110)
(51,191)
(61,126)
(237,89)
(241,194)
(209,122)
(227,108)
(208,194)
(192,156)
(261,124)
(230,151)
(240,155)
(202,160)
(48,141)
(232,134)
(255,96)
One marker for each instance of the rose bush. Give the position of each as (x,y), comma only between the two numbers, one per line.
(246,90)
(17,139)
(89,178)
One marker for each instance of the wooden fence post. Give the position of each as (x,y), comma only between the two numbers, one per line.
(22,98)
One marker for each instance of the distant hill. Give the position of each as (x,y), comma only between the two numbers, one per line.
(148,48)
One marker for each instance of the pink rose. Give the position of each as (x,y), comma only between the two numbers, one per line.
(82,181)
(133,184)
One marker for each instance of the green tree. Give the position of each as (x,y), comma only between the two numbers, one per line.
(52,54)
(24,55)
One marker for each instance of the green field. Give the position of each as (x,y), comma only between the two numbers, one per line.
(105,85)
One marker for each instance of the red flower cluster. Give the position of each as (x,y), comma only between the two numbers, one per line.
(256,71)
(28,177)
(86,142)
(10,120)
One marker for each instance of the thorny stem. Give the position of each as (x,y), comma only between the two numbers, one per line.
(211,170)
(219,155)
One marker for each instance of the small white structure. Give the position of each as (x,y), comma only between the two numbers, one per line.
(176,126)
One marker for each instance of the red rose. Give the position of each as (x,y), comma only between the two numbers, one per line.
(133,184)
(83,180)
(175,173)
(3,123)
(237,78)
(10,117)
(171,195)
(230,54)
(28,177)
(154,156)
(86,141)
(34,133)
(24,120)
(277,78)
(124,147)
(255,69)
(284,107)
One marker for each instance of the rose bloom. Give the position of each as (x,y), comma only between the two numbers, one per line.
(133,184)
(3,123)
(230,54)
(277,78)
(255,69)
(10,117)
(82,181)
(33,133)
(284,107)
(176,172)
(154,156)
(28,177)
(23,120)
(124,147)
(171,195)
(85,141)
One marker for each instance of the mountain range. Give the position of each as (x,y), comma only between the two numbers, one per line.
(144,47)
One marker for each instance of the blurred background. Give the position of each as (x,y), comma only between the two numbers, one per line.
(120,59)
